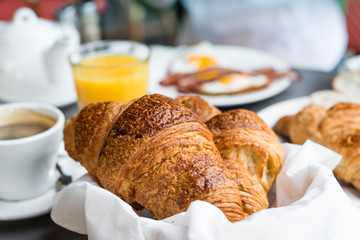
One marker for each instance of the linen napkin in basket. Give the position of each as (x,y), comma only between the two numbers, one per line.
(309,204)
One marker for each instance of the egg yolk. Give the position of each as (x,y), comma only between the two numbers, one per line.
(225,80)
(202,62)
(228,78)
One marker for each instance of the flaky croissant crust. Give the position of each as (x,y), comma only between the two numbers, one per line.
(337,128)
(243,137)
(341,133)
(199,106)
(155,153)
(253,195)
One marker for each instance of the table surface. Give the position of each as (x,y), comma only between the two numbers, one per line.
(44,228)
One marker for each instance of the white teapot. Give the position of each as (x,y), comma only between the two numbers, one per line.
(34,62)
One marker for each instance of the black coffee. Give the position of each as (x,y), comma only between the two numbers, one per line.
(21,130)
(23,123)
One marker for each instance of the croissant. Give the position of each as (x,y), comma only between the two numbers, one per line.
(305,125)
(199,106)
(282,126)
(341,133)
(253,195)
(153,152)
(337,128)
(243,137)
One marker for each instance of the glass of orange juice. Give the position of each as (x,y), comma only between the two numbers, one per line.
(110,71)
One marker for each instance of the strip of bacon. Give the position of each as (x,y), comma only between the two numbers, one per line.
(190,82)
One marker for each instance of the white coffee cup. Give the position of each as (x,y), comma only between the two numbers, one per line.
(27,164)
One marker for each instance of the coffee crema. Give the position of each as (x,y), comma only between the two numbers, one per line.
(24,123)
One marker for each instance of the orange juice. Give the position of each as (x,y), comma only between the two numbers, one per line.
(110,78)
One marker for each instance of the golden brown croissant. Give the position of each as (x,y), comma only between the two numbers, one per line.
(199,106)
(337,128)
(305,124)
(253,195)
(282,126)
(341,133)
(153,152)
(243,137)
(92,126)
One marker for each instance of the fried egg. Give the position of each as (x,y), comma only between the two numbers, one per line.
(195,58)
(234,83)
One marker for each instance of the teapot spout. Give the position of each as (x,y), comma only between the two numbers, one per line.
(56,60)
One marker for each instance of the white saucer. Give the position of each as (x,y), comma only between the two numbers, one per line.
(64,99)
(57,98)
(16,210)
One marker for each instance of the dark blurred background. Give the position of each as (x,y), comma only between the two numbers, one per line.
(148,21)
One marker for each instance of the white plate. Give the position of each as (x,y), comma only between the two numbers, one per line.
(234,57)
(273,113)
(16,210)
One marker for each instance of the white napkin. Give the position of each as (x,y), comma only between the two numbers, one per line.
(310,204)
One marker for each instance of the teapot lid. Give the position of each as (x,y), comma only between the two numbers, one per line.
(27,28)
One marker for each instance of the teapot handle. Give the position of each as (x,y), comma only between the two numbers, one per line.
(24,16)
